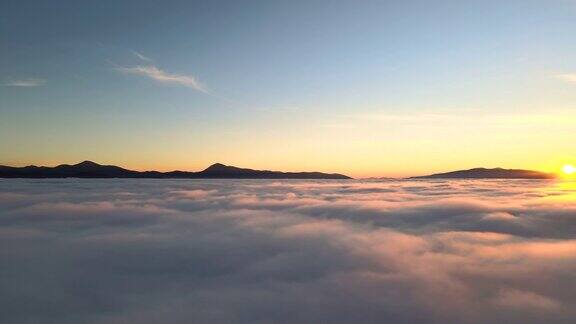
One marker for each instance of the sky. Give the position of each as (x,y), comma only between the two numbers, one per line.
(365,88)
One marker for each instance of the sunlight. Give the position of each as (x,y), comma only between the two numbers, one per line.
(563,190)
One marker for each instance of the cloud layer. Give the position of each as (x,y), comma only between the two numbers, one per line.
(180,251)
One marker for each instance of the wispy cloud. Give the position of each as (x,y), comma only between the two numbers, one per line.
(567,77)
(32,82)
(159,75)
(141,56)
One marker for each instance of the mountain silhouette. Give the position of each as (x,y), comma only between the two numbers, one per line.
(89,169)
(495,173)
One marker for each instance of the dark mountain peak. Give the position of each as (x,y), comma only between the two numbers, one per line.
(86,164)
(482,169)
(89,169)
(217,166)
(493,173)
(219,170)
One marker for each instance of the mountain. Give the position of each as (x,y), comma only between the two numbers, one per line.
(86,169)
(224,171)
(89,169)
(496,173)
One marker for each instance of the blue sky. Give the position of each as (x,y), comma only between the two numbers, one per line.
(363,87)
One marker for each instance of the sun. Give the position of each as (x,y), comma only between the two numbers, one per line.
(568,169)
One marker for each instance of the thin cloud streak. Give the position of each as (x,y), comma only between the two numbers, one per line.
(567,77)
(141,56)
(32,82)
(153,72)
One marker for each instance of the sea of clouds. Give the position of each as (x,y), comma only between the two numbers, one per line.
(264,251)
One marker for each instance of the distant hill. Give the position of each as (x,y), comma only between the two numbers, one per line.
(89,169)
(496,173)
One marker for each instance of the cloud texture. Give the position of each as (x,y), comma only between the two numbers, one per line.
(156,74)
(34,82)
(251,251)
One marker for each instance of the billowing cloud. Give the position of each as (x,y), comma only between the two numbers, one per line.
(246,251)
(156,74)
(31,82)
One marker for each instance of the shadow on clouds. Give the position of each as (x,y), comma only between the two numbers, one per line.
(252,251)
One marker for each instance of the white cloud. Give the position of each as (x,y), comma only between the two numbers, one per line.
(247,251)
(141,56)
(153,72)
(32,82)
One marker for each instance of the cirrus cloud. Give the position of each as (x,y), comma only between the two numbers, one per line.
(31,82)
(156,74)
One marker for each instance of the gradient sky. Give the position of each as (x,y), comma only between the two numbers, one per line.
(366,88)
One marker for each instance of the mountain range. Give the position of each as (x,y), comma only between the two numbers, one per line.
(89,169)
(495,173)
